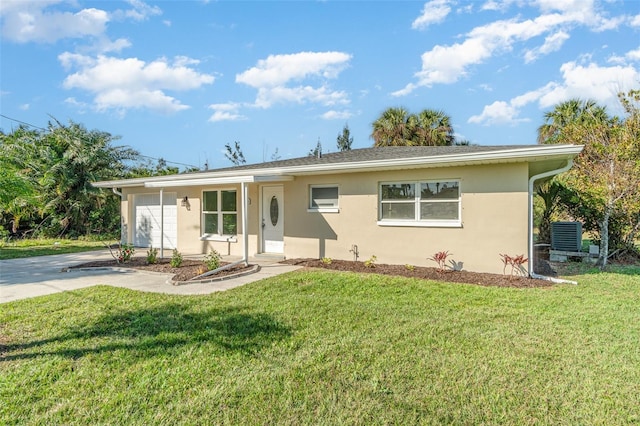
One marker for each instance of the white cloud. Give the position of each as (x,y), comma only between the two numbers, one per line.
(279,69)
(633,55)
(37,21)
(268,96)
(25,21)
(140,11)
(601,84)
(127,83)
(24,107)
(433,12)
(635,21)
(226,112)
(448,64)
(499,112)
(552,43)
(592,81)
(273,77)
(337,115)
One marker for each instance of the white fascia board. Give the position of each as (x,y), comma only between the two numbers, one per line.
(217,181)
(125,183)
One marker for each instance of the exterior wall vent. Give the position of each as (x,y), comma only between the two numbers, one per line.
(566,236)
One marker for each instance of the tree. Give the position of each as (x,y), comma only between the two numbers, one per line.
(605,179)
(62,161)
(397,127)
(344,140)
(571,112)
(391,128)
(432,128)
(19,198)
(234,154)
(317,151)
(275,156)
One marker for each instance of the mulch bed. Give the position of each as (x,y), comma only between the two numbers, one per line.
(192,268)
(483,279)
(188,270)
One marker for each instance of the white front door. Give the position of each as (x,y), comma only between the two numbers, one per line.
(272,219)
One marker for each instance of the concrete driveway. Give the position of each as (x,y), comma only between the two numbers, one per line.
(38,276)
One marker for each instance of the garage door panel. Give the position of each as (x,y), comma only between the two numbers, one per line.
(147,220)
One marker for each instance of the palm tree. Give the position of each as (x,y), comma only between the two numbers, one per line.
(571,112)
(433,128)
(396,127)
(391,128)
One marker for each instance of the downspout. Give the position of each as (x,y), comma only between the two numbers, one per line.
(245,231)
(532,181)
(118,193)
(161,223)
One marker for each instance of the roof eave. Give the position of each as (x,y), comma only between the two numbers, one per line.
(538,153)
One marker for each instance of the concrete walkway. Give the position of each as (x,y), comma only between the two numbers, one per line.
(38,276)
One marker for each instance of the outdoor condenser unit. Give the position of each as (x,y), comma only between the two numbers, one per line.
(566,236)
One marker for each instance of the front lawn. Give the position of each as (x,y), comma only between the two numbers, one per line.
(45,246)
(327,348)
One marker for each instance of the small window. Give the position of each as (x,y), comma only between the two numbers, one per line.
(219,213)
(323,198)
(430,203)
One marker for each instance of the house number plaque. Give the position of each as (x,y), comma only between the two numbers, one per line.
(273,210)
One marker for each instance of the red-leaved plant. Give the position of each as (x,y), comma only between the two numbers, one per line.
(441,259)
(515,262)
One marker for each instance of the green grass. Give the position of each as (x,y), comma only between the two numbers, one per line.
(327,348)
(45,246)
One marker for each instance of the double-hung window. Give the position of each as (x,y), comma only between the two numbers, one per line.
(219,213)
(323,198)
(420,203)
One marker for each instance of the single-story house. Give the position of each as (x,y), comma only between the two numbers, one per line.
(400,204)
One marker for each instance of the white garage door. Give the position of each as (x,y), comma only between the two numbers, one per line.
(147,220)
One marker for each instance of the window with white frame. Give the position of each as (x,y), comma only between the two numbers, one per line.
(323,198)
(421,203)
(219,212)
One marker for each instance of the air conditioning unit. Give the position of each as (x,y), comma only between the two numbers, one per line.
(566,236)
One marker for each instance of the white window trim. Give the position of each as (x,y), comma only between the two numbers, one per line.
(217,237)
(417,201)
(335,209)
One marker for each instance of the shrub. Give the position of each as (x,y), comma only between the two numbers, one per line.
(327,260)
(441,259)
(409,267)
(176,259)
(515,262)
(212,260)
(122,252)
(371,262)
(152,256)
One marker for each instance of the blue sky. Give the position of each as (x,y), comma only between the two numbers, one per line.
(179,80)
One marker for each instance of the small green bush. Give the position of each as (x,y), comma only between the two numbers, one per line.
(327,260)
(212,260)
(371,262)
(125,252)
(152,256)
(176,259)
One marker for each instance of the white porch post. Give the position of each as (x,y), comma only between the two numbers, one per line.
(245,230)
(161,223)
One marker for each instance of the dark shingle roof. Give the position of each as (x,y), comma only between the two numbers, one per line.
(371,154)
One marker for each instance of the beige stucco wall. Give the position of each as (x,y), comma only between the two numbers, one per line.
(190,239)
(494,219)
